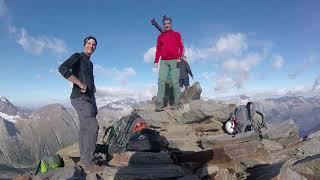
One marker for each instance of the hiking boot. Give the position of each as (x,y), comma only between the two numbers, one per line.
(159,106)
(94,168)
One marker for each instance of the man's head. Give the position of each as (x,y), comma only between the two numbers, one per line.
(167,23)
(89,45)
(184,58)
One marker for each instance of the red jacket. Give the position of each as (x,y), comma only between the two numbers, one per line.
(169,46)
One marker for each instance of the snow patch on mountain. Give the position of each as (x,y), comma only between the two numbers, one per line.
(9,117)
(3,99)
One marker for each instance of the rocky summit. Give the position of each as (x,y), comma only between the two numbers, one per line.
(206,151)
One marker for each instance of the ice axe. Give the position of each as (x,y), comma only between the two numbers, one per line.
(156,24)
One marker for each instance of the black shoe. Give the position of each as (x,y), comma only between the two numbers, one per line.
(158,109)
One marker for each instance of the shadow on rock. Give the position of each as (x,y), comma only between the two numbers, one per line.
(170,164)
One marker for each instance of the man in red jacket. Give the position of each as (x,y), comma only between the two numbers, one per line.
(169,52)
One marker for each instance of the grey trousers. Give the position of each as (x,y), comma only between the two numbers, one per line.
(88,133)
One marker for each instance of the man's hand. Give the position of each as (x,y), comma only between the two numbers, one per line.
(83,87)
(75,80)
(156,65)
(178,60)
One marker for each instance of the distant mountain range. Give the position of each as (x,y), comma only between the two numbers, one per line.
(115,110)
(26,137)
(304,111)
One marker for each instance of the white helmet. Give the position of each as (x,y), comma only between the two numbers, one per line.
(229,126)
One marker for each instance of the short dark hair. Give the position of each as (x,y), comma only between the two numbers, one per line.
(164,18)
(88,38)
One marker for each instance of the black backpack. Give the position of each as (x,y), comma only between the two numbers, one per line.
(147,140)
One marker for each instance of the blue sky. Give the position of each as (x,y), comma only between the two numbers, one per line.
(234,47)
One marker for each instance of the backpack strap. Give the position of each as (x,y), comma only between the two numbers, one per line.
(108,141)
(125,134)
(249,104)
(263,123)
(260,126)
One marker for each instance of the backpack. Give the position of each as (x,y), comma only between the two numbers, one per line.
(147,140)
(120,132)
(246,118)
(49,163)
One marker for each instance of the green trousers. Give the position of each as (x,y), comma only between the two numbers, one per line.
(168,69)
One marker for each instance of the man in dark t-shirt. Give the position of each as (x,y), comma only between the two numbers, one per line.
(78,69)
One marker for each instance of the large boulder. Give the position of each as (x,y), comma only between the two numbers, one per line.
(213,127)
(303,168)
(241,150)
(287,133)
(193,92)
(310,146)
(156,119)
(199,111)
(308,167)
(211,141)
(267,171)
(181,136)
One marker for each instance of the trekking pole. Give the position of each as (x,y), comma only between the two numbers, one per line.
(38,168)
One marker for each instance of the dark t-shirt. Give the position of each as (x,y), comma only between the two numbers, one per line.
(80,66)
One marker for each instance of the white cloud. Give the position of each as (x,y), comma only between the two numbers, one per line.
(121,75)
(3,8)
(277,61)
(208,75)
(149,56)
(32,44)
(225,46)
(36,45)
(234,54)
(112,93)
(191,53)
(224,83)
(239,69)
(194,54)
(231,44)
